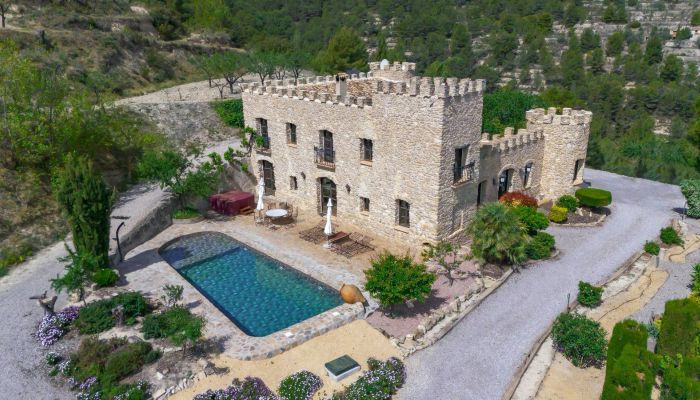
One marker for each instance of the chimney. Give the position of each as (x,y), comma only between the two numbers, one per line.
(341,86)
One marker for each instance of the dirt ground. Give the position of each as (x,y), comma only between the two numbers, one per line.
(357,339)
(564,380)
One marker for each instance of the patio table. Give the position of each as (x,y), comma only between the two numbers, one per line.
(276,213)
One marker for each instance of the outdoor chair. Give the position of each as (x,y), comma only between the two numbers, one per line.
(315,235)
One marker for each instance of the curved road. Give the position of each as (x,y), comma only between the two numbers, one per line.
(478,358)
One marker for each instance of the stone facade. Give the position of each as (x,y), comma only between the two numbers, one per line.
(429,166)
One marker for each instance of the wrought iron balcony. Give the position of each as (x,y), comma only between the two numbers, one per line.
(263,146)
(324,157)
(463,173)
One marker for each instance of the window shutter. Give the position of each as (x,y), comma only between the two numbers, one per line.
(319,206)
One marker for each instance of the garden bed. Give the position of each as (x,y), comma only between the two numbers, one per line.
(407,318)
(583,216)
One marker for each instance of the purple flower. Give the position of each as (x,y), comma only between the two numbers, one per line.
(52,327)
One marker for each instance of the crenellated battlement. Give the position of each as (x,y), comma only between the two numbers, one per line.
(429,87)
(307,92)
(396,66)
(550,116)
(512,140)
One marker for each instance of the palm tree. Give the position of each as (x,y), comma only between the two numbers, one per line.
(497,236)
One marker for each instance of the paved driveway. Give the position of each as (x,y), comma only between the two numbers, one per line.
(477,359)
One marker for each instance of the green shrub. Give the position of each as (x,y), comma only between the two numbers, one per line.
(301,385)
(532,220)
(680,382)
(591,197)
(580,339)
(691,190)
(185,213)
(569,202)
(627,332)
(679,328)
(670,236)
(394,280)
(230,112)
(540,246)
(177,324)
(105,277)
(635,24)
(558,214)
(652,248)
(589,295)
(97,316)
(695,282)
(129,360)
(631,377)
(497,235)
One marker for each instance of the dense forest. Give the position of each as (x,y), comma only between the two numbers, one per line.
(62,61)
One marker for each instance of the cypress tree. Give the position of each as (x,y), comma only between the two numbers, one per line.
(87,204)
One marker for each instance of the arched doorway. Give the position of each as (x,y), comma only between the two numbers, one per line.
(504,182)
(326,190)
(267,172)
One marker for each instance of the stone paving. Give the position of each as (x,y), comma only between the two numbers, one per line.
(146,271)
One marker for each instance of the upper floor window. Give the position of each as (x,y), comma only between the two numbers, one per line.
(263,142)
(403,213)
(527,175)
(262,126)
(325,155)
(462,171)
(366,149)
(291,133)
(364,204)
(293,183)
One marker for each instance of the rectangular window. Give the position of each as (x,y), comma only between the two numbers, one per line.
(403,214)
(577,169)
(366,148)
(364,204)
(291,133)
(262,126)
(293,182)
(460,164)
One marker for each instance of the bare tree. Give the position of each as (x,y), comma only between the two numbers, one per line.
(4,8)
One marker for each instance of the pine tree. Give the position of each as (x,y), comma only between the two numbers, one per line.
(87,204)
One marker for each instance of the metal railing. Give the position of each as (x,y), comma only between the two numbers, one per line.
(463,173)
(324,157)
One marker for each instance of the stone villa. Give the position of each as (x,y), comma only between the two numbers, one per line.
(404,156)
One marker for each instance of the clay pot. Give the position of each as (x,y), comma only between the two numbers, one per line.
(351,294)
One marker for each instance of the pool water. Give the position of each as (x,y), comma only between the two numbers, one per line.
(258,293)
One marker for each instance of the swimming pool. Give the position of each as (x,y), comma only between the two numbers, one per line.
(258,293)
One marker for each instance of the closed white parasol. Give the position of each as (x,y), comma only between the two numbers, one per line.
(261,192)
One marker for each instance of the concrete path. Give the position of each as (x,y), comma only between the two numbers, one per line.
(24,375)
(479,357)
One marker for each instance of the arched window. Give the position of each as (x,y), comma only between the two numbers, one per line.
(504,181)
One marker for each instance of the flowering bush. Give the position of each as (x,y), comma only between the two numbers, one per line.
(65,367)
(138,390)
(301,385)
(250,388)
(379,383)
(52,327)
(514,199)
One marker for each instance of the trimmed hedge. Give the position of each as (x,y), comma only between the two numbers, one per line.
(558,214)
(682,383)
(627,356)
(679,328)
(592,197)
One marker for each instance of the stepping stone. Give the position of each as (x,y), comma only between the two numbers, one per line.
(341,367)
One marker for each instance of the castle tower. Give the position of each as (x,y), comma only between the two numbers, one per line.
(565,146)
(398,71)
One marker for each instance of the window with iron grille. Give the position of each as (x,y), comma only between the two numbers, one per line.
(291,133)
(262,126)
(403,214)
(366,149)
(293,182)
(364,204)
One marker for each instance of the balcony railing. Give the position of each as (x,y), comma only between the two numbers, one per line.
(324,157)
(263,146)
(463,173)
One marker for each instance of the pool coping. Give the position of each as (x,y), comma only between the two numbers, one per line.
(238,344)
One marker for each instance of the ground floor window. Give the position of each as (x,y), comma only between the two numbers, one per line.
(293,182)
(268,174)
(364,204)
(504,181)
(403,213)
(326,190)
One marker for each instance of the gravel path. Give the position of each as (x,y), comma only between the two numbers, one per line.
(676,286)
(24,375)
(479,357)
